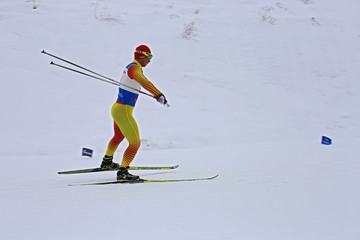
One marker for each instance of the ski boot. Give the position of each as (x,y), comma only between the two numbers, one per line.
(123,174)
(107,163)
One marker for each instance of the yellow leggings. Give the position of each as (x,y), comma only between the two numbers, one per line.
(125,126)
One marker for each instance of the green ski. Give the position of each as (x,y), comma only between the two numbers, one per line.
(147,181)
(92,170)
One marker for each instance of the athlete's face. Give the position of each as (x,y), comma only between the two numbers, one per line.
(144,62)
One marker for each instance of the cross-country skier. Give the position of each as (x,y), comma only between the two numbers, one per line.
(125,125)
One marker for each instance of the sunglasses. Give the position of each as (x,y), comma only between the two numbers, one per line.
(148,55)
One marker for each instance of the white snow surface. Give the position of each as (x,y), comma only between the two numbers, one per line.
(253,85)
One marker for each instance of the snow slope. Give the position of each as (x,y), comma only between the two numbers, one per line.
(253,85)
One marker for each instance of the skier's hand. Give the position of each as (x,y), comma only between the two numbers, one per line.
(162,100)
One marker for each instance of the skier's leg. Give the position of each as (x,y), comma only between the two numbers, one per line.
(129,129)
(115,141)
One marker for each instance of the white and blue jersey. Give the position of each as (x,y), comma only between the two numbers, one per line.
(127,95)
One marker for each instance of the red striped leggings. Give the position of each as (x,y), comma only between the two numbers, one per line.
(125,126)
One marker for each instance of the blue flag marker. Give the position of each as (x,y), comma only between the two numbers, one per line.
(87,152)
(326,140)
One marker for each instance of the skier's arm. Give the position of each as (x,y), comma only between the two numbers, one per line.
(135,73)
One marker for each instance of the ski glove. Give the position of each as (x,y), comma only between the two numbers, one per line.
(161,99)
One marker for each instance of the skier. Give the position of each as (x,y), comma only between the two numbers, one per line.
(125,125)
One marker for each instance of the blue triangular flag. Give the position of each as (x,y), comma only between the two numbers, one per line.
(326,140)
(87,152)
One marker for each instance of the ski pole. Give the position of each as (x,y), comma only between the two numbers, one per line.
(86,74)
(104,80)
(76,65)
